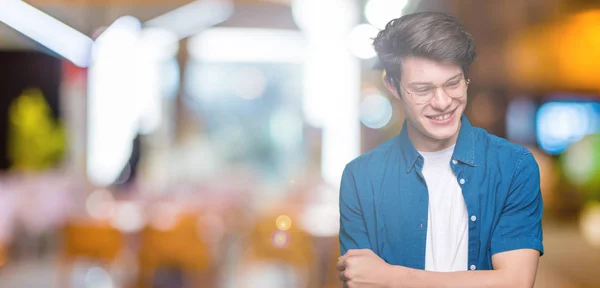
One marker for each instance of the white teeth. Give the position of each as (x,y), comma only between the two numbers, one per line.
(442,117)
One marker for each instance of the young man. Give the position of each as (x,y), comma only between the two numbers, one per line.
(443,204)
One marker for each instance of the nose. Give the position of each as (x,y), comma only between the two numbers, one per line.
(440,100)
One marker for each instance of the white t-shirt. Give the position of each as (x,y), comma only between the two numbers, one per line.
(448,226)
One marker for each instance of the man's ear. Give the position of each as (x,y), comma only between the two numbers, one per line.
(389,85)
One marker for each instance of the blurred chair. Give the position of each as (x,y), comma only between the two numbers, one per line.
(94,241)
(178,248)
(291,249)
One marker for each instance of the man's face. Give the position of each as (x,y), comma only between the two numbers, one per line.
(438,118)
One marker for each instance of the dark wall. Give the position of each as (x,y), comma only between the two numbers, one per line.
(20,70)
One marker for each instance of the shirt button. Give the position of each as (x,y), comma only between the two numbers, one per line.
(473,218)
(473,267)
(454,161)
(462,181)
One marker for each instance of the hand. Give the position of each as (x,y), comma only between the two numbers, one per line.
(363,268)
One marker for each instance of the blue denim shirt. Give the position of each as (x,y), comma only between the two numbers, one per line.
(384,199)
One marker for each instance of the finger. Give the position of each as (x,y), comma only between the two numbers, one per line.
(340,266)
(342,260)
(343,276)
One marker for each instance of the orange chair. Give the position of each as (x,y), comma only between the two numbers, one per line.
(94,240)
(293,247)
(270,243)
(91,240)
(179,246)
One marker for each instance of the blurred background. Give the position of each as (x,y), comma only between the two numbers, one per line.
(155,143)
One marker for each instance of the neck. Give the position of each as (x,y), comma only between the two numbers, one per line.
(424,143)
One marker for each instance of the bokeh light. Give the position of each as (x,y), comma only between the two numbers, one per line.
(100,204)
(581,164)
(589,222)
(561,123)
(321,220)
(97,277)
(380,12)
(280,239)
(164,216)
(361,41)
(375,111)
(128,217)
(283,222)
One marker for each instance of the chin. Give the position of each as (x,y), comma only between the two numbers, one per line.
(443,133)
(442,137)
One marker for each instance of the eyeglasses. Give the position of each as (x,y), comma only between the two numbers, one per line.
(455,88)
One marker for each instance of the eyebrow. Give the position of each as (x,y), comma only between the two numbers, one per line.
(429,83)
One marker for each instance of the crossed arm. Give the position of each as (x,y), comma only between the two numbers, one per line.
(515,264)
(362,268)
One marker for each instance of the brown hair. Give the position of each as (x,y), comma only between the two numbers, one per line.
(433,35)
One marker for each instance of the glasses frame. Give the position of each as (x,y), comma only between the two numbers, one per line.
(467,82)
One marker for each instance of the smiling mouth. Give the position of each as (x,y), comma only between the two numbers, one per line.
(441,117)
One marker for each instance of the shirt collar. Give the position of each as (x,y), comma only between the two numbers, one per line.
(464,150)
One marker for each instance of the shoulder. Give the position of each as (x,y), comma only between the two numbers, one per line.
(496,144)
(498,150)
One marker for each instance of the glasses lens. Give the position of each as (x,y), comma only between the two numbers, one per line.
(423,98)
(456,89)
